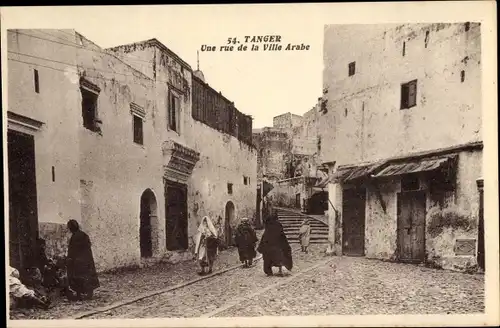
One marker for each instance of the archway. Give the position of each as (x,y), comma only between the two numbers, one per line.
(229,217)
(147,217)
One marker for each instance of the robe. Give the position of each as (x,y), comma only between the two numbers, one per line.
(305,234)
(246,239)
(274,246)
(207,243)
(82,274)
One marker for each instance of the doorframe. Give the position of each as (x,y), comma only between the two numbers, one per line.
(343,223)
(424,239)
(26,128)
(480,257)
(228,240)
(153,220)
(184,188)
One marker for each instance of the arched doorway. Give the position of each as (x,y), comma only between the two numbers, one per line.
(229,217)
(147,218)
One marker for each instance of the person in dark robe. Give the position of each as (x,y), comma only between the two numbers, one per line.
(46,266)
(266,209)
(274,246)
(82,275)
(246,239)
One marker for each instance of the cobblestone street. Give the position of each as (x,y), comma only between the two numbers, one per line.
(126,284)
(317,285)
(355,286)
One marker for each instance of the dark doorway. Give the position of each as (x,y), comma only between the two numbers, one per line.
(411,226)
(318,203)
(480,237)
(258,215)
(148,212)
(23,212)
(228,233)
(176,215)
(297,201)
(353,223)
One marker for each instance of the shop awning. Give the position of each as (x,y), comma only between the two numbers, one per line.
(346,174)
(422,165)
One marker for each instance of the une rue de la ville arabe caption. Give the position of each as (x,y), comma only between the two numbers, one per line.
(256,43)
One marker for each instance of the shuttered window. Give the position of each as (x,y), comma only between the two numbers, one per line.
(173,112)
(409,94)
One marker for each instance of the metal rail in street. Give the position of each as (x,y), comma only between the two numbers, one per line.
(119,304)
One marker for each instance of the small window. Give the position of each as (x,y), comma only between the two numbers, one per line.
(462,76)
(404,49)
(410,182)
(230,188)
(138,130)
(53,174)
(37,81)
(409,94)
(89,108)
(245,181)
(173,112)
(352,68)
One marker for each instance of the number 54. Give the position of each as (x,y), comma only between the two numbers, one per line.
(231,40)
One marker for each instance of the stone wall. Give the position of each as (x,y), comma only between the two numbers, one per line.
(364,114)
(441,248)
(274,151)
(114,170)
(57,107)
(100,176)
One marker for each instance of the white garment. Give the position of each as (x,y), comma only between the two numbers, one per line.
(206,229)
(16,288)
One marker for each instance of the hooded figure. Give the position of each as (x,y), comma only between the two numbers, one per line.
(206,245)
(305,234)
(82,275)
(274,246)
(246,239)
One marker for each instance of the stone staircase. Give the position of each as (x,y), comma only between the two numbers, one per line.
(291,222)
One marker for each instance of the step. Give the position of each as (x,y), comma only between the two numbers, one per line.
(288,228)
(312,242)
(313,231)
(300,222)
(314,236)
(314,226)
(322,240)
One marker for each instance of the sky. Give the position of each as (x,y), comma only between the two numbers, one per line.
(262,84)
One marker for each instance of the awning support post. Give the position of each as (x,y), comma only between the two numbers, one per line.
(379,197)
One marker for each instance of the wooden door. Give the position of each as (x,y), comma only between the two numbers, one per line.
(229,218)
(480,239)
(23,208)
(353,223)
(145,228)
(258,216)
(176,216)
(411,226)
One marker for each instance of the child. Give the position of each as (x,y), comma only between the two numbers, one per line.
(305,235)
